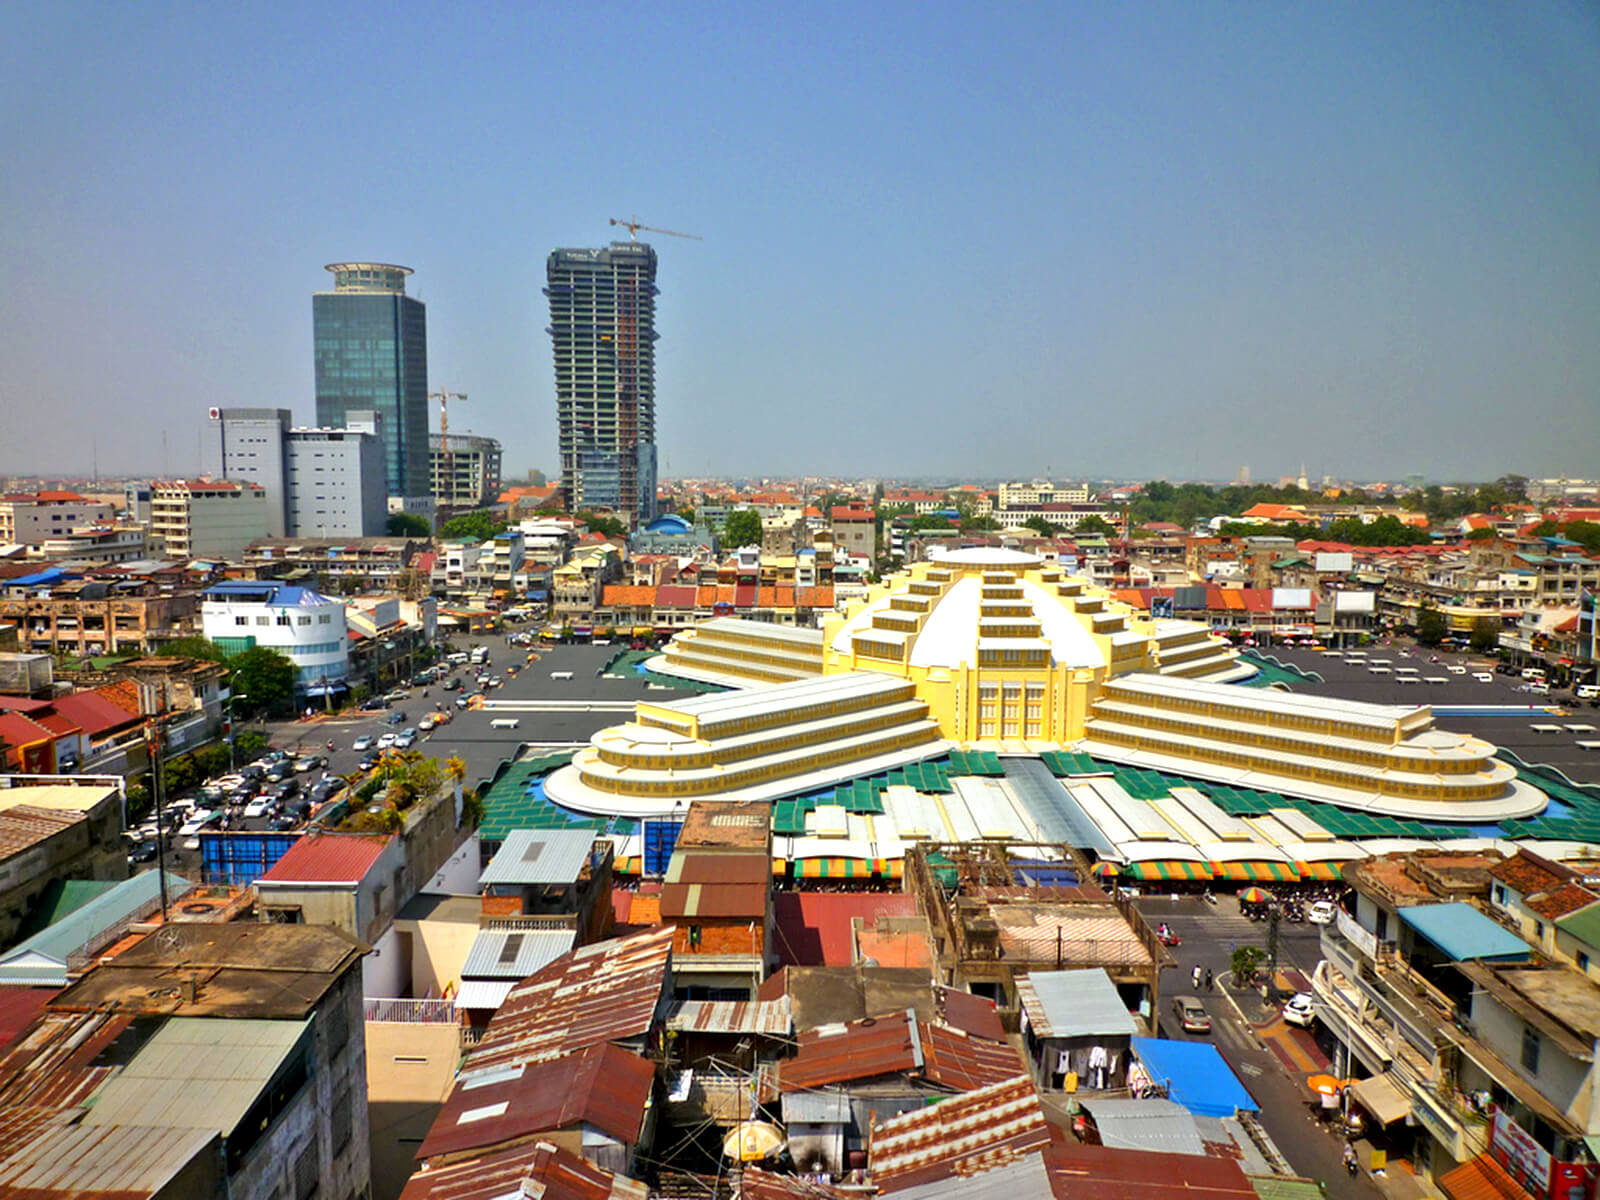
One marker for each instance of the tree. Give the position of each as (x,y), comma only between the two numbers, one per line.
(1244,962)
(979,525)
(408,525)
(1431,627)
(603,525)
(743,529)
(1040,526)
(1094,524)
(195,647)
(1485,635)
(265,676)
(477,526)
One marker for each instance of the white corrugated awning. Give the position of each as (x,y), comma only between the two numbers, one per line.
(484,993)
(1380,1097)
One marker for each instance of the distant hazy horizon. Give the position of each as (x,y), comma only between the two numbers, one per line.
(1114,241)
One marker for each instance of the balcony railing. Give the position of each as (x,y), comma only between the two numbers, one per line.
(410,1012)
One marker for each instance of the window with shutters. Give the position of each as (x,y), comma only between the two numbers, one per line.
(307,1172)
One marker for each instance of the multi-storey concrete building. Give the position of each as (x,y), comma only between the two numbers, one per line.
(602,323)
(29,518)
(372,356)
(88,617)
(322,482)
(467,475)
(1040,491)
(208,520)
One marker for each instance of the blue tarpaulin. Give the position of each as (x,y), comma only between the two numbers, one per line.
(1462,932)
(1196,1076)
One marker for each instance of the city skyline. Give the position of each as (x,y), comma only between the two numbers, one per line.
(1165,242)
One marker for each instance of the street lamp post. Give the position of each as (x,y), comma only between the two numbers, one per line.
(233,754)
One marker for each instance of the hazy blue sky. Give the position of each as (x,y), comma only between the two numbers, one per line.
(1126,239)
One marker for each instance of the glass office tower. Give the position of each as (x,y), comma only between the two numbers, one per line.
(372,355)
(603,326)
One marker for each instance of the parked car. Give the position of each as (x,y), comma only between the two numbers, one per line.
(461,701)
(376,703)
(274,756)
(426,724)
(279,771)
(1299,1011)
(289,787)
(452,684)
(1191,1014)
(395,718)
(1323,912)
(364,742)
(405,739)
(386,741)
(259,807)
(367,763)
(142,853)
(309,762)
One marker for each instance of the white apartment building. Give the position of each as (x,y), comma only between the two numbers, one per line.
(1040,491)
(306,627)
(319,482)
(208,520)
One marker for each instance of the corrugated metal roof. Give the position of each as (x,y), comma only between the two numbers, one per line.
(604,1086)
(1077,1003)
(714,900)
(1154,1125)
(756,1184)
(689,866)
(1464,933)
(1103,1173)
(816,1108)
(539,856)
(126,1160)
(561,1174)
(1025,1179)
(960,1137)
(859,1050)
(514,954)
(334,858)
(196,1073)
(952,1059)
(767,1017)
(600,993)
(41,961)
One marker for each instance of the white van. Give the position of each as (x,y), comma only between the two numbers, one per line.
(504,723)
(480,654)
(1533,672)
(459,657)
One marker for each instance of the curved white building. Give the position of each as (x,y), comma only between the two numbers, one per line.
(305,626)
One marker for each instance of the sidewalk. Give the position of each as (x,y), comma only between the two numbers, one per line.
(1265,1023)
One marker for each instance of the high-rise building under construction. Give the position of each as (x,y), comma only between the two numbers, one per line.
(603,326)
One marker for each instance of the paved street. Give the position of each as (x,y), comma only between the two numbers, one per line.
(1270,1058)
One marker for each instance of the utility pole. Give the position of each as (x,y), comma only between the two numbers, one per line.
(152,742)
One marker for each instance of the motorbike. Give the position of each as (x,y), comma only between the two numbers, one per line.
(1167,937)
(330,743)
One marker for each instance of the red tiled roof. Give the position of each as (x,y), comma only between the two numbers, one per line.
(1567,899)
(744,595)
(1528,873)
(706,595)
(1482,1178)
(625,596)
(677,595)
(423,564)
(852,513)
(604,1086)
(338,858)
(124,693)
(813,928)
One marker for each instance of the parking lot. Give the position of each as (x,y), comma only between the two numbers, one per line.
(1553,743)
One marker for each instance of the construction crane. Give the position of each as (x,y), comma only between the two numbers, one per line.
(447,469)
(633,228)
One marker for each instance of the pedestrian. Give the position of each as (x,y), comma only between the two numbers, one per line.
(1194,977)
(1349,1158)
(1208,979)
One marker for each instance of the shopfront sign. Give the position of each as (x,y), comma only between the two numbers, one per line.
(1363,940)
(1526,1160)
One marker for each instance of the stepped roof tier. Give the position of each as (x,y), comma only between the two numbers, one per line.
(750,745)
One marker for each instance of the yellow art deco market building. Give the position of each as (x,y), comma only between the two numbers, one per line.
(999,650)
